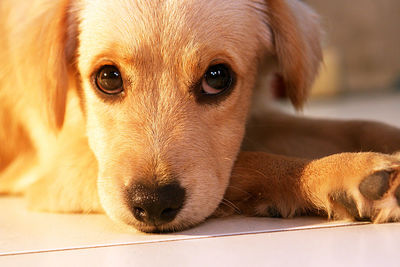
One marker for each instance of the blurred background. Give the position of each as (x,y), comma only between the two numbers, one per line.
(361,47)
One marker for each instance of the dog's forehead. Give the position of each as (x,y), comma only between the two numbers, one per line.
(169,25)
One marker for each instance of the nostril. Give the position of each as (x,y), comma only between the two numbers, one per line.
(139,213)
(169,214)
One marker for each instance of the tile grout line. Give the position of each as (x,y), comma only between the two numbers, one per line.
(294,229)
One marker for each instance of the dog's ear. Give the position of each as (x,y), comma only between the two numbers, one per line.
(42,44)
(296,35)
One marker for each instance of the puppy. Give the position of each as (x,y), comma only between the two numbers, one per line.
(138,109)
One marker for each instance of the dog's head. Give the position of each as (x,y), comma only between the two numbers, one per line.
(166,88)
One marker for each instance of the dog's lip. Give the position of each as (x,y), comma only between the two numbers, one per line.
(171,227)
(150,228)
(157,229)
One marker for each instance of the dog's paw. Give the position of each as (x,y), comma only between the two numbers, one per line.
(375,198)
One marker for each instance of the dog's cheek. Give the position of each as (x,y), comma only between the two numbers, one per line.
(207,183)
(113,200)
(204,191)
(101,128)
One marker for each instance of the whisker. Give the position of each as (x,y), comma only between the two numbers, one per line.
(231,205)
(257,171)
(239,189)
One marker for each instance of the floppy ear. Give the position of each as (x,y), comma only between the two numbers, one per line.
(42,43)
(296,36)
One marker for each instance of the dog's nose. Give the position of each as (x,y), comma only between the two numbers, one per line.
(156,205)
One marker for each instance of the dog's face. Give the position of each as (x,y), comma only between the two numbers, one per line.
(166,85)
(166,88)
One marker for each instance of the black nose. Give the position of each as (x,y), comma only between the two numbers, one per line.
(156,204)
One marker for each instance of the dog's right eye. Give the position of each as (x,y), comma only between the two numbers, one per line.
(215,85)
(109,80)
(217,79)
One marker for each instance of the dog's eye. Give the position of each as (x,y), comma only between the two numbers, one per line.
(217,79)
(109,80)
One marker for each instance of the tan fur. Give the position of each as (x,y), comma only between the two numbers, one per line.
(291,186)
(69,149)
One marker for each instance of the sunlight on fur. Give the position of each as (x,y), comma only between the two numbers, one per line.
(139,108)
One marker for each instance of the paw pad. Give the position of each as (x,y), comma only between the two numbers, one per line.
(376,185)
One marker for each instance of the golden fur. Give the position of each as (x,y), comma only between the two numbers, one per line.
(69,149)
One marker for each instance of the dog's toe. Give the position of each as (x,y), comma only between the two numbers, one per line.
(348,202)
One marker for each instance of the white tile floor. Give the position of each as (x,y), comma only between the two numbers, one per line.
(40,239)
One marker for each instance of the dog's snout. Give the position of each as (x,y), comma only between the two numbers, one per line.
(156,205)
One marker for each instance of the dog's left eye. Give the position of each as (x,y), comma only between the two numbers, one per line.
(109,80)
(217,79)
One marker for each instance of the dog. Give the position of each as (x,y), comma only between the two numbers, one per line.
(142,110)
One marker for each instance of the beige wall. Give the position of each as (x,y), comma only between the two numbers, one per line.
(366,35)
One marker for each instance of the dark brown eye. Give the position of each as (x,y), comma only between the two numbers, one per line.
(109,80)
(217,79)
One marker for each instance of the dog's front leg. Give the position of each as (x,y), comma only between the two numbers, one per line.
(342,186)
(69,181)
